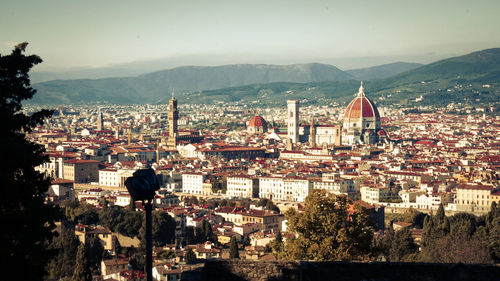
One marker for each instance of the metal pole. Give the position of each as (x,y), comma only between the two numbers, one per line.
(149,242)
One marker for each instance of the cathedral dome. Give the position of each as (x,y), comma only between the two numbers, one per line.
(257,125)
(361,107)
(361,120)
(257,121)
(382,132)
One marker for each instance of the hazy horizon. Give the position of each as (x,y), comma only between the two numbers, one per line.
(165,34)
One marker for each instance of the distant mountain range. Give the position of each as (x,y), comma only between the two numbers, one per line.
(268,83)
(382,71)
(471,79)
(155,86)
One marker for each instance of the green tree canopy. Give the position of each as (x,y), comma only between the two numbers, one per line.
(82,268)
(326,230)
(489,233)
(190,257)
(459,238)
(82,213)
(95,252)
(463,223)
(402,246)
(277,246)
(415,217)
(272,207)
(122,220)
(262,202)
(435,227)
(66,245)
(205,233)
(458,248)
(166,255)
(27,223)
(163,228)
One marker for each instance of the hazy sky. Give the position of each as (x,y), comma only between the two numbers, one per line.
(71,33)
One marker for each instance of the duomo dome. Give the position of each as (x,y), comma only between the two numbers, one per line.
(361,122)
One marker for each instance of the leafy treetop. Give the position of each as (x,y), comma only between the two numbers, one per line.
(327,231)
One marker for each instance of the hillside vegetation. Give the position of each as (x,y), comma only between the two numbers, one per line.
(471,79)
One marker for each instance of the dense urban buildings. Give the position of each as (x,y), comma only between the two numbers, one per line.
(389,160)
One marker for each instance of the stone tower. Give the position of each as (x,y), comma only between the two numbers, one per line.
(100,121)
(173,116)
(293,120)
(312,134)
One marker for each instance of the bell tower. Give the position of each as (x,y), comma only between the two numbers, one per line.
(312,134)
(293,120)
(173,116)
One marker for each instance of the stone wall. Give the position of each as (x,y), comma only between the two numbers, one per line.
(251,270)
(342,271)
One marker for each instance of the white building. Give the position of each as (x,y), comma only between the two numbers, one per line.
(328,134)
(114,177)
(108,177)
(372,194)
(284,189)
(62,188)
(90,196)
(192,183)
(271,188)
(242,186)
(123,199)
(474,198)
(296,189)
(165,273)
(304,156)
(50,168)
(409,197)
(189,150)
(428,201)
(333,183)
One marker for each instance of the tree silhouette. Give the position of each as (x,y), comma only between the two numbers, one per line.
(26,221)
(95,252)
(246,240)
(66,245)
(163,228)
(189,256)
(82,268)
(233,249)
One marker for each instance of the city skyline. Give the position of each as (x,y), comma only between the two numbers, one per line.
(346,34)
(266,163)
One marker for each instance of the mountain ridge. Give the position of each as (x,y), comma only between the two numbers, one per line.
(155,85)
(464,79)
(383,70)
(247,80)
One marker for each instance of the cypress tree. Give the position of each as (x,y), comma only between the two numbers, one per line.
(27,222)
(95,252)
(440,213)
(402,245)
(82,268)
(246,240)
(279,237)
(233,249)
